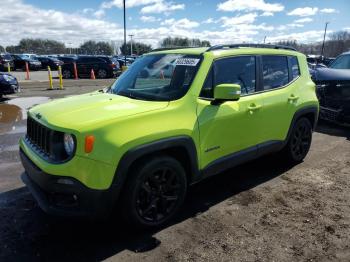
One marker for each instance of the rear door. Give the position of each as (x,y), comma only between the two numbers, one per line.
(280,75)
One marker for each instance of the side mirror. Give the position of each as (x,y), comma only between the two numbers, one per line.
(227,92)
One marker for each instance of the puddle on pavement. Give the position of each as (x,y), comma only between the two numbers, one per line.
(14,111)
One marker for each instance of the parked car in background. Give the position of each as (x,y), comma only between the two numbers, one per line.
(333,90)
(52,62)
(6,61)
(20,62)
(8,84)
(112,61)
(319,61)
(102,68)
(67,59)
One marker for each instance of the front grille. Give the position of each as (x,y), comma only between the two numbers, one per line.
(39,137)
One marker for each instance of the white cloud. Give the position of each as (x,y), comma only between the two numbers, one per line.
(99,13)
(267,14)
(148,6)
(161,7)
(182,23)
(328,10)
(249,5)
(128,3)
(304,11)
(209,21)
(148,19)
(304,37)
(304,20)
(237,20)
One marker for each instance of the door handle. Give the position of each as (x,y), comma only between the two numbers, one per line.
(253,107)
(293,98)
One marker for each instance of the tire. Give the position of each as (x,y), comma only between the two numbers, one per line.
(102,73)
(299,141)
(66,74)
(154,192)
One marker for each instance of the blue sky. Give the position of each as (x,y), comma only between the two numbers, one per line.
(219,21)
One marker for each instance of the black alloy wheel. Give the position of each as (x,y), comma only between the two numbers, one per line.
(102,73)
(300,140)
(66,74)
(155,192)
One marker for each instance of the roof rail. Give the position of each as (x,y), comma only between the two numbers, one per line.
(229,46)
(173,47)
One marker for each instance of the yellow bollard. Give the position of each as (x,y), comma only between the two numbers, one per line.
(50,78)
(60,77)
(8,68)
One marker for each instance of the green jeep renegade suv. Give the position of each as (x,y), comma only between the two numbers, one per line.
(173,118)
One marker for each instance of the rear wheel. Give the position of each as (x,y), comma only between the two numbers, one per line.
(299,142)
(154,192)
(102,73)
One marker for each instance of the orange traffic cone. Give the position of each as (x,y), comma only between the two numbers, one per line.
(92,75)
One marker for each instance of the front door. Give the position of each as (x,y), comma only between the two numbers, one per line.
(232,126)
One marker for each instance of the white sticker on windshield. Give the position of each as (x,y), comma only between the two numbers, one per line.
(187,61)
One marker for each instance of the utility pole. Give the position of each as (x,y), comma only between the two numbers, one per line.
(124,34)
(264,39)
(131,44)
(324,38)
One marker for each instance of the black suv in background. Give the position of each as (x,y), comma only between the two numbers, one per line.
(5,61)
(52,62)
(333,89)
(103,68)
(20,62)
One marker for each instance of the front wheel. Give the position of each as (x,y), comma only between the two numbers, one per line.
(154,192)
(299,142)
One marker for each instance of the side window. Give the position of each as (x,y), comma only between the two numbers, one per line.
(234,70)
(294,65)
(275,71)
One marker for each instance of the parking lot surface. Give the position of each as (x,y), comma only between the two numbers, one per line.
(261,211)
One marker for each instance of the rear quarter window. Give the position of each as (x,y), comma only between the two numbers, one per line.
(294,66)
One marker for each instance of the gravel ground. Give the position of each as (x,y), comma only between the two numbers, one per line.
(261,211)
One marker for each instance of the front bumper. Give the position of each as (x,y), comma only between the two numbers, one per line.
(70,198)
(334,115)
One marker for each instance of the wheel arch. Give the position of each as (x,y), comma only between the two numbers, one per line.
(310,112)
(182,148)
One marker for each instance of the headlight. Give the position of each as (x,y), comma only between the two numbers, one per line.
(69,144)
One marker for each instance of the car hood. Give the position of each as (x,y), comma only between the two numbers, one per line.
(91,110)
(327,74)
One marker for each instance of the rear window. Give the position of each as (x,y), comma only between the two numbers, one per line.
(275,71)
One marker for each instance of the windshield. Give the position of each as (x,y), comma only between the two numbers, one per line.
(162,77)
(342,62)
